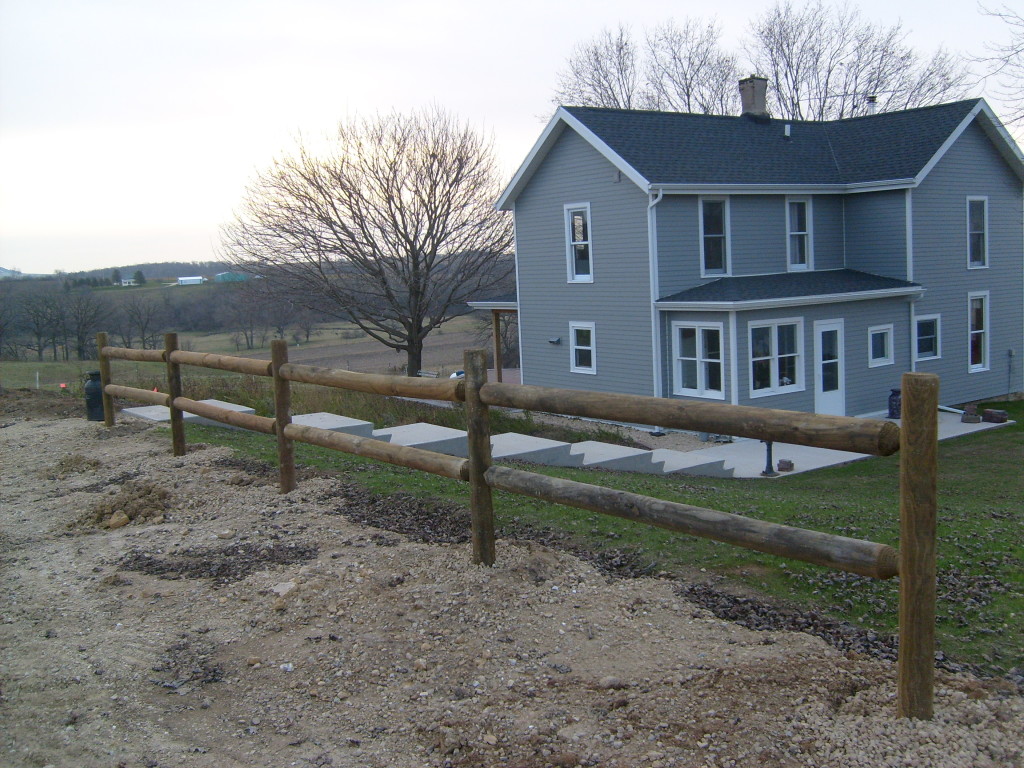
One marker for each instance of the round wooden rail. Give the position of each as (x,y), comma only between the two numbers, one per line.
(841,433)
(377,384)
(139,395)
(862,557)
(234,418)
(402,455)
(137,355)
(222,362)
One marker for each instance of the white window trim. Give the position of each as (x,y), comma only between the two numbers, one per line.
(890,358)
(573,327)
(987,331)
(809,234)
(728,234)
(570,260)
(702,391)
(801,383)
(983,199)
(938,336)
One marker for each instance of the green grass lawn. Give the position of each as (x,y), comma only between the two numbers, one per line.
(980,549)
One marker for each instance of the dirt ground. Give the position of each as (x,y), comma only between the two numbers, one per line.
(224,624)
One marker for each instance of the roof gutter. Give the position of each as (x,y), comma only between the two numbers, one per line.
(774,189)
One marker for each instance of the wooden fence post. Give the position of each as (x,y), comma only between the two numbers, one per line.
(479,439)
(282,415)
(918,501)
(108,402)
(174,388)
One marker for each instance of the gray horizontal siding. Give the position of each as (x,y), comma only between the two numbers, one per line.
(829,246)
(617,302)
(971,167)
(876,239)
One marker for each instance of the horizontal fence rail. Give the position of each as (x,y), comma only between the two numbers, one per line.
(838,552)
(376,384)
(914,562)
(841,433)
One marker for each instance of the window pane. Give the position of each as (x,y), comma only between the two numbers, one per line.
(880,345)
(579,227)
(582,337)
(977,314)
(712,344)
(977,349)
(584,358)
(761,342)
(688,342)
(978,248)
(798,249)
(830,376)
(581,260)
(714,217)
(830,345)
(714,254)
(762,370)
(787,370)
(976,209)
(713,374)
(798,217)
(927,338)
(787,339)
(689,374)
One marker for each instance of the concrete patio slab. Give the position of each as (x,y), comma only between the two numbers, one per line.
(608,456)
(538,450)
(160,413)
(430,437)
(334,423)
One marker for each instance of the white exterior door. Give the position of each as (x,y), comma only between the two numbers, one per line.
(829,369)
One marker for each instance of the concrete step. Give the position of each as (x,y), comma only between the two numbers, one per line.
(334,423)
(608,456)
(539,450)
(691,463)
(160,413)
(429,437)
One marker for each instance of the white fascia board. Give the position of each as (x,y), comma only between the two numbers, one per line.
(790,301)
(552,131)
(508,306)
(1004,142)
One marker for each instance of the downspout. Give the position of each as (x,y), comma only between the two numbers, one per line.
(652,257)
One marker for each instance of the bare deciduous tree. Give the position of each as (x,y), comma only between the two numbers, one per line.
(85,314)
(823,63)
(605,72)
(392,228)
(687,70)
(1005,61)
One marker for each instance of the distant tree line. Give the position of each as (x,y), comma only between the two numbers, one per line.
(57,319)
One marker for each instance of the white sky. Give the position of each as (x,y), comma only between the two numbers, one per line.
(129,128)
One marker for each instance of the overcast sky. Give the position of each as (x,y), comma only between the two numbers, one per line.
(129,128)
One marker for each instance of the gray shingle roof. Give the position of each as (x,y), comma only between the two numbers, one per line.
(788,286)
(680,148)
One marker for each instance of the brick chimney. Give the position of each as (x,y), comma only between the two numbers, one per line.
(753,96)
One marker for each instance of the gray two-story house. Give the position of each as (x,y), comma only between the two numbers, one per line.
(759,261)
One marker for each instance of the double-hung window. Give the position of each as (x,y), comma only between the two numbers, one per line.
(714,236)
(776,364)
(578,246)
(798,234)
(927,343)
(978,340)
(880,349)
(977,232)
(697,349)
(582,348)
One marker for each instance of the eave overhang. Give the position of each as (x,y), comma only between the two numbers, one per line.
(913,292)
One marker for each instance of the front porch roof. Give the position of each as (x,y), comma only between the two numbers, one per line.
(506,302)
(789,289)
